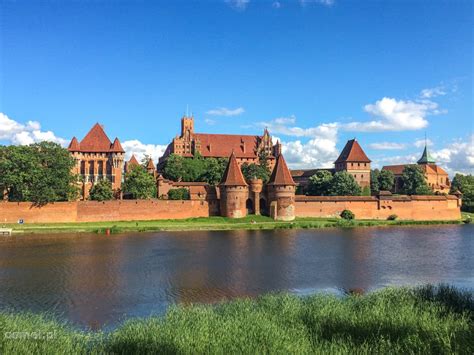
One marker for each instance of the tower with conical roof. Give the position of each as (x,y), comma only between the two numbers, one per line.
(281,192)
(233,191)
(354,161)
(426,157)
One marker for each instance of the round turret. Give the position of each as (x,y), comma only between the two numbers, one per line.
(281,192)
(233,191)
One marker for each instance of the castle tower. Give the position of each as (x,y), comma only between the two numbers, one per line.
(150,167)
(233,191)
(354,161)
(426,158)
(187,127)
(97,158)
(281,192)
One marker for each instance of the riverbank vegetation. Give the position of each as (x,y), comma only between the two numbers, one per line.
(210,223)
(427,320)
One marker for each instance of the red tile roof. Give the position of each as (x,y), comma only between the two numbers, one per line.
(352,152)
(233,175)
(116,146)
(281,174)
(427,168)
(74,145)
(150,164)
(396,169)
(133,161)
(96,141)
(222,145)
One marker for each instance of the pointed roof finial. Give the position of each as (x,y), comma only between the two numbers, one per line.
(426,157)
(281,174)
(187,110)
(233,175)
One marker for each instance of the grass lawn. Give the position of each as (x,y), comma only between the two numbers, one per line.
(209,223)
(425,320)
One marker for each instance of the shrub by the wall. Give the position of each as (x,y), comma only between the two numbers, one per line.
(348,215)
(392,217)
(178,194)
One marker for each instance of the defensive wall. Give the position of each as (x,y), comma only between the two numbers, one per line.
(419,208)
(370,207)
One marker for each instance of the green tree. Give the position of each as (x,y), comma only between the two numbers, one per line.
(178,194)
(101,191)
(139,183)
(265,172)
(254,171)
(175,167)
(344,184)
(374,181)
(214,170)
(386,180)
(414,182)
(40,173)
(465,184)
(320,183)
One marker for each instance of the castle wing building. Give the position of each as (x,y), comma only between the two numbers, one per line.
(246,148)
(436,177)
(97,158)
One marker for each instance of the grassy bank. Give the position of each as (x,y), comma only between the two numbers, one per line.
(428,320)
(211,223)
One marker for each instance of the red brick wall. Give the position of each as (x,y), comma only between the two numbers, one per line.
(406,208)
(93,211)
(414,208)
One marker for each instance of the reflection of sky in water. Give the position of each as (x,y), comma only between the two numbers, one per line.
(95,280)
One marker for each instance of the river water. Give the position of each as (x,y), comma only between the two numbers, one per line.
(98,281)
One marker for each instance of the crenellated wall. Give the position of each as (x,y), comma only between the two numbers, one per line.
(94,211)
(371,207)
(405,207)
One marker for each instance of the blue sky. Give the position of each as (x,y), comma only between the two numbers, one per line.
(315,72)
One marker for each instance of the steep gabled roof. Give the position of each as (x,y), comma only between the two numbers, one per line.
(222,145)
(352,152)
(281,174)
(96,140)
(116,146)
(233,175)
(133,161)
(150,165)
(74,145)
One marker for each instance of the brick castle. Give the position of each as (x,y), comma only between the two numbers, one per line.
(97,158)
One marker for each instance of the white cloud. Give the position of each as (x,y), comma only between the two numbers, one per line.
(319,2)
(317,151)
(140,149)
(396,115)
(433,92)
(284,125)
(239,5)
(210,122)
(387,146)
(276,4)
(224,111)
(420,143)
(457,157)
(28,133)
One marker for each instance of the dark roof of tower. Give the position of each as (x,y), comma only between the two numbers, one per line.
(352,152)
(233,175)
(426,157)
(281,174)
(74,145)
(116,146)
